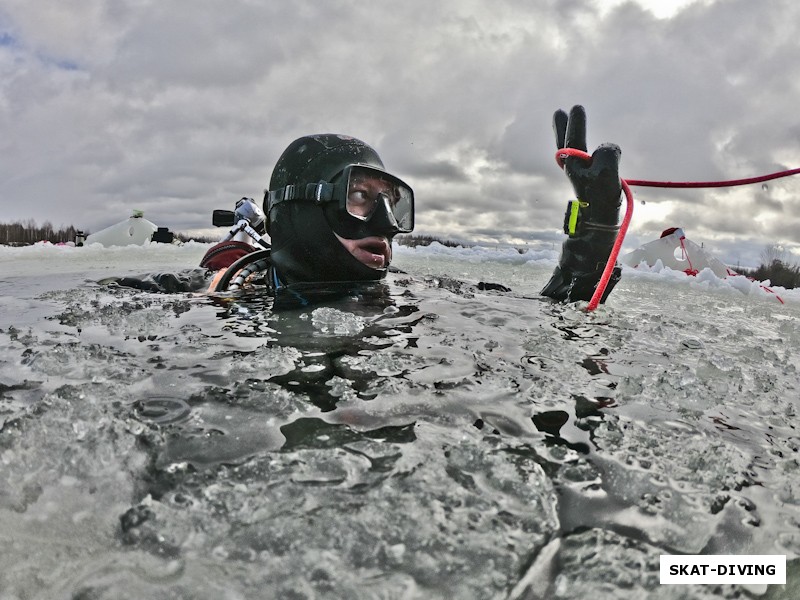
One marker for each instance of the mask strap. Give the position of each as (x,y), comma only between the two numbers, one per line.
(318,192)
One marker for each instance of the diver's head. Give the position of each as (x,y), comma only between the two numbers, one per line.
(333,211)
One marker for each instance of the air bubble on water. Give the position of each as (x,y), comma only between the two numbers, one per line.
(162,410)
(643,202)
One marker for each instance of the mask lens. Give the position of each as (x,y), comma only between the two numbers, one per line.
(368,188)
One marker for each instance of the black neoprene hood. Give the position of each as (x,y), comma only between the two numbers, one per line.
(316,158)
(304,246)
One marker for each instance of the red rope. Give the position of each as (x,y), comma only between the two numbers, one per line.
(711,184)
(691,270)
(623,228)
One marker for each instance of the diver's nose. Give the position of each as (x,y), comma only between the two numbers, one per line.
(382,219)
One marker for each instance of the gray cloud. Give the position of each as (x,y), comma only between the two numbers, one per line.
(179,108)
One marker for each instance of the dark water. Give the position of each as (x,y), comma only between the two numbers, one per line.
(420,439)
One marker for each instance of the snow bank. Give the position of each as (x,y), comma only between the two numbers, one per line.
(43,259)
(707,281)
(49,259)
(489,254)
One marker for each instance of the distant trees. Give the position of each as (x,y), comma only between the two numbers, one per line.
(203,239)
(22,234)
(776,267)
(412,241)
(25,233)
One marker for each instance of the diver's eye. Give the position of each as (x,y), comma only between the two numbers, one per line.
(359,203)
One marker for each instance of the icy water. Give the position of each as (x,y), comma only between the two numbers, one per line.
(424,438)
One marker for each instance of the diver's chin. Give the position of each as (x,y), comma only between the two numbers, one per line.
(374,251)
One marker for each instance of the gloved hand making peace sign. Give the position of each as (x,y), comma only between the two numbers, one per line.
(591,219)
(596,182)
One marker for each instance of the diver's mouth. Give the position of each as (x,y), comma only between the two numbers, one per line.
(374,251)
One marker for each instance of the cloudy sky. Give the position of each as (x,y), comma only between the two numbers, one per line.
(179,107)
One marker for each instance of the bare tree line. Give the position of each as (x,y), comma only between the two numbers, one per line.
(26,233)
(23,234)
(776,267)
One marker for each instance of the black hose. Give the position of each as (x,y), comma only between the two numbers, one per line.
(250,263)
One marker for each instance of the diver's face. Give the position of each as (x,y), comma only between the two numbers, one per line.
(373,251)
(367,193)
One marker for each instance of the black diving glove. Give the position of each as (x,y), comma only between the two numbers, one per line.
(591,220)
